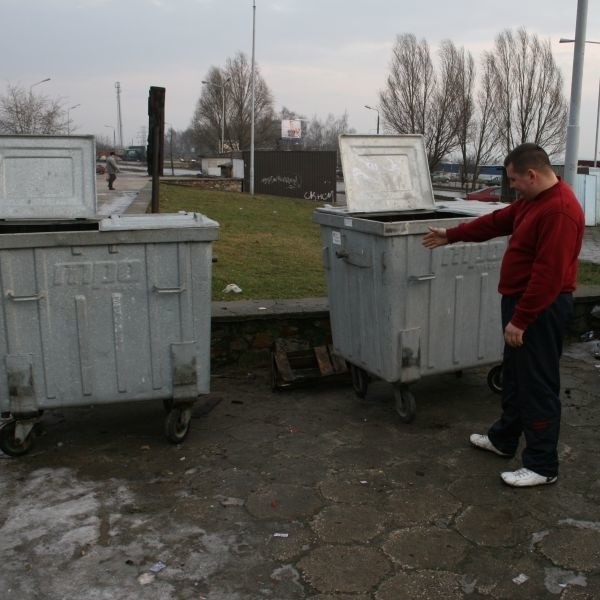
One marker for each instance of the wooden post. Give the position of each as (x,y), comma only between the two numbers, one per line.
(156,122)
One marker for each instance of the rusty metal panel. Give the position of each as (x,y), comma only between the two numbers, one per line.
(303,174)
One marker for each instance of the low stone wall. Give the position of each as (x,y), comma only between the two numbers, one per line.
(206,183)
(243,332)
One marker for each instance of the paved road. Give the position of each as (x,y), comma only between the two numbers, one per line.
(127,187)
(308,493)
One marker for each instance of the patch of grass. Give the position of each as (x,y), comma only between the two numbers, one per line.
(268,245)
(588,274)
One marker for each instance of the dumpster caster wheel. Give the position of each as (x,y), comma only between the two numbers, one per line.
(360,381)
(494,379)
(9,445)
(405,404)
(177,424)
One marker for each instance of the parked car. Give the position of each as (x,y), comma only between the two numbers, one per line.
(439,178)
(100,169)
(487,194)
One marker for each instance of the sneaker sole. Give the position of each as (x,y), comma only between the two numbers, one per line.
(517,485)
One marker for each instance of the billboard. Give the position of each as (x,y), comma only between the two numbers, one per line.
(291,129)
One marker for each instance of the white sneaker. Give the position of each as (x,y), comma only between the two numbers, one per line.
(483,442)
(525,478)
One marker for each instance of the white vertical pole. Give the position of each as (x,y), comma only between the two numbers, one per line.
(252,118)
(572,148)
(597,123)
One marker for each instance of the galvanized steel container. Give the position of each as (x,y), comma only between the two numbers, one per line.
(95,310)
(399,311)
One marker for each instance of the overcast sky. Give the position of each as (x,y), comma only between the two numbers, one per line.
(317,56)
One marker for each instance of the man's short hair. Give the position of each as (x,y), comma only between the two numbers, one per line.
(528,156)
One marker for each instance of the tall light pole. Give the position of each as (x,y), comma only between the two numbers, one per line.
(171,146)
(576,80)
(570,41)
(31,117)
(597,123)
(377,111)
(38,83)
(222,86)
(114,135)
(253,102)
(69,117)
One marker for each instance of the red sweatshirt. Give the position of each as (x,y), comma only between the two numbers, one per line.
(541,259)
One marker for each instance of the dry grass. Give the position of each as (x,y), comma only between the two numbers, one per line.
(268,245)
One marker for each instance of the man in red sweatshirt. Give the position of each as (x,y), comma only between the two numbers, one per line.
(537,278)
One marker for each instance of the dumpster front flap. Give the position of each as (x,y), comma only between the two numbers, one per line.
(47,177)
(386,173)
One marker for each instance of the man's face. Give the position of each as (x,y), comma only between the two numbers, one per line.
(523,183)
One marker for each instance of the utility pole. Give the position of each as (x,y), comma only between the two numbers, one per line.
(576,82)
(119,120)
(253,101)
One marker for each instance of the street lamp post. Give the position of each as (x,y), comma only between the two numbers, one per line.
(171,146)
(222,86)
(597,123)
(38,83)
(114,135)
(570,41)
(31,117)
(69,117)
(572,146)
(377,111)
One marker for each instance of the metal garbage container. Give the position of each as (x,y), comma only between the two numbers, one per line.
(94,310)
(399,311)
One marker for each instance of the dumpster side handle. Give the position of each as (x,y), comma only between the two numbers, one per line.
(178,290)
(14,298)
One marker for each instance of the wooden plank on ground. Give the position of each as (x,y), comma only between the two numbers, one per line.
(339,364)
(324,361)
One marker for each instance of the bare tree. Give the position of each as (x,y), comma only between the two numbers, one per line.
(529,105)
(235,82)
(417,100)
(476,134)
(323,135)
(405,102)
(23,112)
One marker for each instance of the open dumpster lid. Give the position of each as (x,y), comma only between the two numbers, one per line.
(385,173)
(157,221)
(47,177)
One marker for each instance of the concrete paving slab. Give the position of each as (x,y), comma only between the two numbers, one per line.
(307,493)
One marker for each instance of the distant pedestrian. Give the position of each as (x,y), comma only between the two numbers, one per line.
(112,168)
(537,278)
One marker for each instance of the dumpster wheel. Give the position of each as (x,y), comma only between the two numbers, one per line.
(9,445)
(360,380)
(494,379)
(405,404)
(177,424)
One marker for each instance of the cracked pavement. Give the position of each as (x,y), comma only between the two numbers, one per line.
(306,493)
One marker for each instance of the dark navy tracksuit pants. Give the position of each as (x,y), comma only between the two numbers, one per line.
(531,386)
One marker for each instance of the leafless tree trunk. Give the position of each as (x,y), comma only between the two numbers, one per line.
(235,80)
(477,136)
(529,105)
(23,112)
(416,100)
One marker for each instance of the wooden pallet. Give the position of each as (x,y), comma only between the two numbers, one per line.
(295,362)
